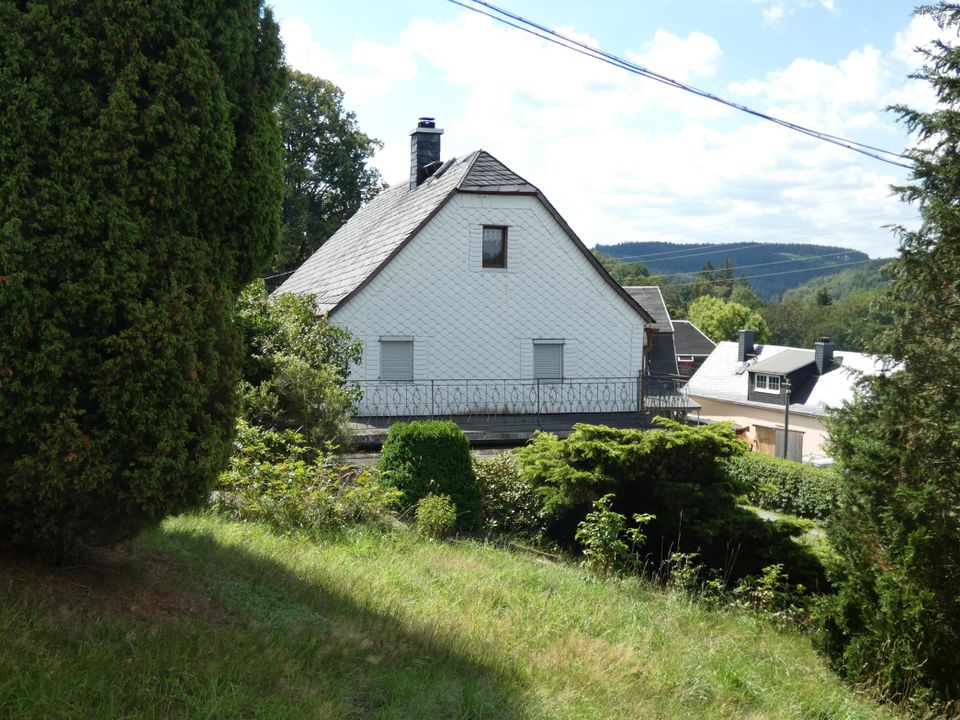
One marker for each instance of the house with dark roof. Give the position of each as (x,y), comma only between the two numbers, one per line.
(773,392)
(691,345)
(661,352)
(472,295)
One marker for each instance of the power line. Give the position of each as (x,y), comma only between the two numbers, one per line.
(271,277)
(699,249)
(785,272)
(760,216)
(544,33)
(765,264)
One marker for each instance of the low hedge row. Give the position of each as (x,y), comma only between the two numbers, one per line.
(785,486)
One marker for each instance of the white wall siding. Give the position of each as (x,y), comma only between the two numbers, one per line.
(471,322)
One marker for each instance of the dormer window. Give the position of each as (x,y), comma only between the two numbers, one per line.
(767,383)
(494,246)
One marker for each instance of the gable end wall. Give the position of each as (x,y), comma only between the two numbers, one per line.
(477,323)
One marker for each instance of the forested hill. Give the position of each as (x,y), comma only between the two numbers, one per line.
(771,268)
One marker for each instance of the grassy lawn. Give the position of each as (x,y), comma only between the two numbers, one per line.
(208,618)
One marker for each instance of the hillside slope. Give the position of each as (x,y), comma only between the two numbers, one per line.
(772,268)
(843,282)
(208,618)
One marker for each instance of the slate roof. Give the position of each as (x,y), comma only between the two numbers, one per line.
(783,362)
(651,299)
(717,378)
(690,340)
(380,229)
(663,355)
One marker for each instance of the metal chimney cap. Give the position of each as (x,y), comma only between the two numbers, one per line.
(426,122)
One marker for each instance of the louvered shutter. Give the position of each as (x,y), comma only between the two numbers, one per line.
(547,360)
(396,360)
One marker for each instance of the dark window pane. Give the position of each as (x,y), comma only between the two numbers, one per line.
(494,247)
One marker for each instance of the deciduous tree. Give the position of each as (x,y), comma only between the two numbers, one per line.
(326,172)
(721,320)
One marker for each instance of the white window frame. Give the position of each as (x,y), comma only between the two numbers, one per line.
(397,340)
(765,383)
(553,342)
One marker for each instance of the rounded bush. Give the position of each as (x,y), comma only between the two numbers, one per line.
(436,516)
(433,456)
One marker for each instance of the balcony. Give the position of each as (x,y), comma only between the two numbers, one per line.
(516,408)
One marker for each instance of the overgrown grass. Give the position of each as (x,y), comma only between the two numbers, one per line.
(210,618)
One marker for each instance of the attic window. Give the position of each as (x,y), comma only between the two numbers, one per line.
(767,383)
(494,246)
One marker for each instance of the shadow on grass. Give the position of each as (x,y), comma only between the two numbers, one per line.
(181,624)
(351,658)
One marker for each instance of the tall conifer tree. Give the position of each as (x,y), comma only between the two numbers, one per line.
(896,620)
(140,185)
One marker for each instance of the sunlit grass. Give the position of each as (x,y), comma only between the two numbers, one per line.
(207,618)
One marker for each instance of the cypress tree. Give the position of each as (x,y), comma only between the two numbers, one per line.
(896,620)
(140,186)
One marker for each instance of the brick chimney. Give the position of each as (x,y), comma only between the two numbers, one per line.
(745,349)
(823,355)
(424,151)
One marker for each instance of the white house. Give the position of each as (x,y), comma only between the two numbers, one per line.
(753,385)
(471,294)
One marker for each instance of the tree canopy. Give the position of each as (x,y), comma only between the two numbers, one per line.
(896,621)
(326,172)
(722,320)
(140,189)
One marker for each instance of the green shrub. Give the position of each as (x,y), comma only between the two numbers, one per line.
(675,474)
(608,544)
(511,504)
(785,486)
(140,189)
(436,516)
(433,456)
(271,479)
(295,366)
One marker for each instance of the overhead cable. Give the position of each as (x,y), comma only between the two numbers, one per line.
(544,33)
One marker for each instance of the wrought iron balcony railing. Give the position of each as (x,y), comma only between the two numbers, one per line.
(430,398)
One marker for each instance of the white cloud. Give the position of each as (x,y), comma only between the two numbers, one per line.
(624,158)
(774,11)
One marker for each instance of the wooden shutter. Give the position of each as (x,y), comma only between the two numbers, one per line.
(396,360)
(547,359)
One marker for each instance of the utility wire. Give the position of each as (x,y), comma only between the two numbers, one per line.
(753,277)
(753,218)
(271,277)
(544,33)
(699,249)
(737,268)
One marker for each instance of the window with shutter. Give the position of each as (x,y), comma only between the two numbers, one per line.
(548,359)
(396,360)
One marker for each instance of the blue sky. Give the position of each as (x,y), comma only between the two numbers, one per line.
(623,158)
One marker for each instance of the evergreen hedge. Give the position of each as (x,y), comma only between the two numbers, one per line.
(785,486)
(140,184)
(675,474)
(433,457)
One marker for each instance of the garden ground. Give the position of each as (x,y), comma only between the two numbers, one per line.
(209,618)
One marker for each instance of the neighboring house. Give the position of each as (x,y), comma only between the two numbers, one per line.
(692,346)
(749,384)
(472,295)
(662,354)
